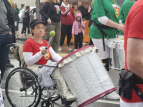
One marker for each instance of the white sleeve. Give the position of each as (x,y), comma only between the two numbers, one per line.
(31,59)
(120,21)
(103,20)
(54,56)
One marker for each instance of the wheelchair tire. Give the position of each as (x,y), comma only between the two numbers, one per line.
(22,88)
(47,103)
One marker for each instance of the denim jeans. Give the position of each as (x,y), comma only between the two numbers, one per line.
(16,24)
(4,50)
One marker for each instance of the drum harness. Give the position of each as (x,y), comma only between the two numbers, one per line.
(100,27)
(127,80)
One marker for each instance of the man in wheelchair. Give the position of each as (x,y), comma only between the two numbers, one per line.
(34,50)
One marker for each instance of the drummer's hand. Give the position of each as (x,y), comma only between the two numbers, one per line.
(121,27)
(44,52)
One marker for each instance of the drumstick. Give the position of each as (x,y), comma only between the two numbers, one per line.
(52,34)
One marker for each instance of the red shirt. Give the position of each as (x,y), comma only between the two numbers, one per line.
(134,29)
(32,46)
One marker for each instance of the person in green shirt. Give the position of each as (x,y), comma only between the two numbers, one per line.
(105,14)
(16,12)
(125,9)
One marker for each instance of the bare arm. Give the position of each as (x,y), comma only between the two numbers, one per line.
(135,56)
(115,25)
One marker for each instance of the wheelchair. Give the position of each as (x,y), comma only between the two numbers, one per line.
(23,90)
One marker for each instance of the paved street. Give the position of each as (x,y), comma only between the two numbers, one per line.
(100,103)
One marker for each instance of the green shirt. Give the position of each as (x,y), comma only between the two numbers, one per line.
(16,12)
(125,9)
(108,8)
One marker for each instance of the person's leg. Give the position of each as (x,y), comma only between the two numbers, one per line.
(28,26)
(64,29)
(69,35)
(76,42)
(66,94)
(49,28)
(80,40)
(57,36)
(23,28)
(4,50)
(8,64)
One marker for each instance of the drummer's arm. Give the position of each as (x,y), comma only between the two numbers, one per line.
(54,55)
(106,21)
(135,56)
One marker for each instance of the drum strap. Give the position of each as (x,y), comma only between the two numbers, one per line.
(100,27)
(127,83)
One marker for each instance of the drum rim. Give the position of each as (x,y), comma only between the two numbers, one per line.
(74,53)
(91,100)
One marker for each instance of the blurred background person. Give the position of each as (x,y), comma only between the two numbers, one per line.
(76,10)
(26,22)
(51,15)
(16,12)
(78,31)
(34,12)
(68,17)
(82,9)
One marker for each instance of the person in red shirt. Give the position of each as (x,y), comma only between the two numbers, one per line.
(133,45)
(68,17)
(34,50)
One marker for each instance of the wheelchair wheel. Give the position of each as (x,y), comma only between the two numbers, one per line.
(47,103)
(22,88)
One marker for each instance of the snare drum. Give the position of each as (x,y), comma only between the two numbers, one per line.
(117,53)
(85,75)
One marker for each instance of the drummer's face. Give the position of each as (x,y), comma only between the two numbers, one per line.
(39,30)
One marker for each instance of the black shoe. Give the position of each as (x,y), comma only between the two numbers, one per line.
(9,65)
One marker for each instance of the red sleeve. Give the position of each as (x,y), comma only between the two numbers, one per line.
(73,14)
(135,28)
(27,47)
(63,11)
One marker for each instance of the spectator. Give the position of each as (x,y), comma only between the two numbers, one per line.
(68,17)
(7,33)
(34,12)
(73,4)
(51,14)
(87,14)
(26,22)
(78,31)
(16,12)
(76,10)
(82,9)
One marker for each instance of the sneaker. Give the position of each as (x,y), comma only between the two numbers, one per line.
(69,49)
(60,49)
(113,96)
(9,65)
(70,97)
(75,49)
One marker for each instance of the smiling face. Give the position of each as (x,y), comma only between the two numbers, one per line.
(39,30)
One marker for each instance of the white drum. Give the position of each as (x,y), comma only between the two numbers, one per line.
(117,53)
(86,76)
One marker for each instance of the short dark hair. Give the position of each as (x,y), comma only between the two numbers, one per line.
(27,7)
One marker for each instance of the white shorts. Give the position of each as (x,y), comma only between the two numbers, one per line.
(99,44)
(124,104)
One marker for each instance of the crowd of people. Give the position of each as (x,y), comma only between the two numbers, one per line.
(107,20)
